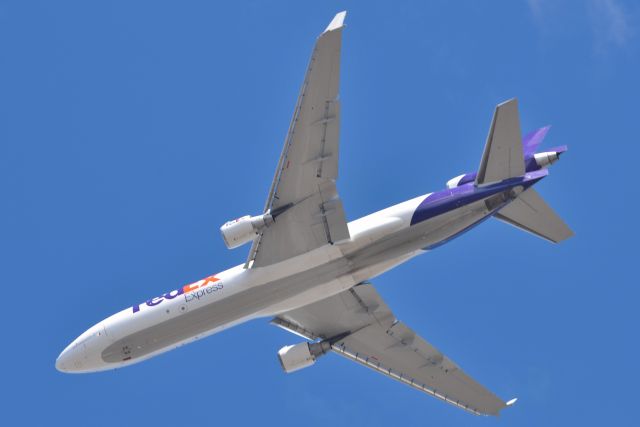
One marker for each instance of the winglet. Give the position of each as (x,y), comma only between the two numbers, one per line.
(512,401)
(337,21)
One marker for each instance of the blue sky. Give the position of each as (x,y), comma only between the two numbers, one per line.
(130,131)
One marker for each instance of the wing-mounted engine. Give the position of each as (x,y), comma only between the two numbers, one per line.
(299,356)
(244,229)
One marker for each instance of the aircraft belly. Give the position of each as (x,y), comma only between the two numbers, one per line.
(444,227)
(418,237)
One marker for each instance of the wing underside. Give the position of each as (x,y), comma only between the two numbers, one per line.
(374,338)
(303,193)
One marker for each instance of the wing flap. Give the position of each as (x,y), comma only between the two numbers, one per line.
(421,364)
(373,363)
(332,213)
(436,375)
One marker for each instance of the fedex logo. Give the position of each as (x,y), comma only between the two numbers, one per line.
(187,290)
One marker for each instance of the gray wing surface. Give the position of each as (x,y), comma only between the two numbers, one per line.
(303,197)
(531,213)
(376,339)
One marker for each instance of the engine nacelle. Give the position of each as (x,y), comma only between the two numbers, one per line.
(303,355)
(244,229)
(547,158)
(455,181)
(295,357)
(459,180)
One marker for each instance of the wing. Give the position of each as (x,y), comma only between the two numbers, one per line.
(376,339)
(303,198)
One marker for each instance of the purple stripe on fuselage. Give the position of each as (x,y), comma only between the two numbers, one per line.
(446,200)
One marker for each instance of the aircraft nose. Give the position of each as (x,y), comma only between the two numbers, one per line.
(70,359)
(64,362)
(84,353)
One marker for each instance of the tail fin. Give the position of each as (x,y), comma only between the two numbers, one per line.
(503,156)
(529,212)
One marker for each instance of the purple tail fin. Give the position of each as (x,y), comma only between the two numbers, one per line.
(532,140)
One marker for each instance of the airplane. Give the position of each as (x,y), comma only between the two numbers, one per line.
(309,270)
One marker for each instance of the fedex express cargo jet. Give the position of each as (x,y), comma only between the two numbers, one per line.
(308,269)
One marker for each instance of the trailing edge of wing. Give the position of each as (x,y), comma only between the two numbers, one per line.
(373,363)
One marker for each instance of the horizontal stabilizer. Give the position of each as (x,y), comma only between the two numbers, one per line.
(532,140)
(503,156)
(530,213)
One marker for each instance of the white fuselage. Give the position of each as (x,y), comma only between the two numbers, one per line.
(379,242)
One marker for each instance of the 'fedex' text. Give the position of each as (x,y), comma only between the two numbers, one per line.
(193,291)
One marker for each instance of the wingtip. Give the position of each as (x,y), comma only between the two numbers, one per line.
(512,401)
(337,22)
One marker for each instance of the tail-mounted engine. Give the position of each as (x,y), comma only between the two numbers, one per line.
(547,158)
(244,229)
